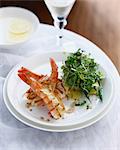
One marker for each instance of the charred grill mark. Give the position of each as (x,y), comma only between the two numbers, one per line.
(50,102)
(54,108)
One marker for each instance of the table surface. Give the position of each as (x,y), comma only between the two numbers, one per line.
(103,135)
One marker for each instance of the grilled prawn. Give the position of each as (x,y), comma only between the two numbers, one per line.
(44,89)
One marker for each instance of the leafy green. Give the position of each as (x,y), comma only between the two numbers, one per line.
(80,104)
(81,72)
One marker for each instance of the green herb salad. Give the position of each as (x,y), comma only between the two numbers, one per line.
(81,75)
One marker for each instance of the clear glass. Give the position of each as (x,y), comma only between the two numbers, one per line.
(59,10)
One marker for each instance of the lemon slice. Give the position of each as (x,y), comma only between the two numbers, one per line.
(19,26)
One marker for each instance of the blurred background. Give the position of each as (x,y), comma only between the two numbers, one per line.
(97,20)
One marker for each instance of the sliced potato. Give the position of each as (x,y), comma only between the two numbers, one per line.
(93,92)
(74,94)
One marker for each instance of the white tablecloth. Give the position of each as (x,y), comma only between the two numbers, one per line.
(103,135)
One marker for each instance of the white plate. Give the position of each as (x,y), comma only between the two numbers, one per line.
(40,63)
(43,127)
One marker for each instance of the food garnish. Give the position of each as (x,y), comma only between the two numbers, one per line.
(81,74)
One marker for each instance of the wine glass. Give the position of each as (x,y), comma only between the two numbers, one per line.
(59,10)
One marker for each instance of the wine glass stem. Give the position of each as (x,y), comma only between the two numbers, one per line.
(60,23)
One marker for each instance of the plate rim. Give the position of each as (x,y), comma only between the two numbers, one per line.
(19,65)
(25,120)
(50,124)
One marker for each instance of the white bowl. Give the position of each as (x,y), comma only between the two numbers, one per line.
(17,12)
